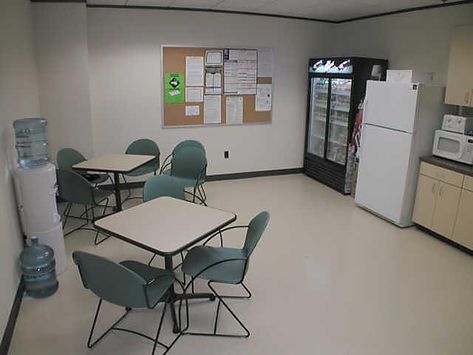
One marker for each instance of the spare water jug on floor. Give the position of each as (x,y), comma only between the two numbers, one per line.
(39,270)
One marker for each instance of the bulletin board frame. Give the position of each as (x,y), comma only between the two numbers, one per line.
(173,115)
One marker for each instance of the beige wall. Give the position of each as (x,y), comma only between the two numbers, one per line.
(63,74)
(124,66)
(418,40)
(18,99)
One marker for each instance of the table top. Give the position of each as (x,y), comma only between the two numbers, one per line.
(119,163)
(165,225)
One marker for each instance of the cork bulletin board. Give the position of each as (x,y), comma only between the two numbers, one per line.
(198,83)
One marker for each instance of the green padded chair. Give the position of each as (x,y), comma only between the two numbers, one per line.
(189,165)
(67,157)
(75,189)
(225,265)
(128,284)
(180,145)
(143,147)
(163,185)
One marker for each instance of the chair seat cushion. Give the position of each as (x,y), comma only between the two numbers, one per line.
(186,182)
(100,195)
(96,178)
(201,257)
(149,273)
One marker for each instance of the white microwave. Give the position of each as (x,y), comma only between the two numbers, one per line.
(453,146)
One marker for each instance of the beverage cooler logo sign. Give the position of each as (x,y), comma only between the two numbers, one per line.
(340,66)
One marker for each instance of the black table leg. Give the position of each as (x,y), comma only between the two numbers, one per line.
(172,295)
(118,197)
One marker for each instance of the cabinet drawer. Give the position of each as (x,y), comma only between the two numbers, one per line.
(445,175)
(468,183)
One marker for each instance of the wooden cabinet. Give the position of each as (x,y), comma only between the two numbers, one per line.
(460,68)
(463,233)
(445,212)
(444,203)
(425,201)
(436,201)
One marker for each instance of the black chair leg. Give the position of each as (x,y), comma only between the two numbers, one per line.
(91,344)
(221,301)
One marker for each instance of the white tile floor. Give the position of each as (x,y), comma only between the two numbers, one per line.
(328,278)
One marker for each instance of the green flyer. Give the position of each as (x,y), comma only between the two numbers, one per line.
(174,88)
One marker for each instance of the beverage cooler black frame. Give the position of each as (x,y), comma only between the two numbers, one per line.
(324,170)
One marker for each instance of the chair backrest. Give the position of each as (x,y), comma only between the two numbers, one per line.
(145,147)
(74,188)
(67,157)
(162,185)
(255,230)
(111,281)
(189,162)
(188,143)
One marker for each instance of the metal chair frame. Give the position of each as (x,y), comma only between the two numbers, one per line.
(83,226)
(222,297)
(155,340)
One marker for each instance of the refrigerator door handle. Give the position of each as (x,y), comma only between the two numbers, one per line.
(441,191)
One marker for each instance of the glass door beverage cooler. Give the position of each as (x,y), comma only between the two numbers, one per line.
(336,88)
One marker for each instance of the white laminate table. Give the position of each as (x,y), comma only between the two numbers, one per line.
(166,226)
(116,164)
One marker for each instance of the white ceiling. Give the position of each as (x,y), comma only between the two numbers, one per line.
(334,10)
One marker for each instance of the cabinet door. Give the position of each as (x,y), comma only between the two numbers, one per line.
(424,207)
(460,70)
(446,208)
(463,233)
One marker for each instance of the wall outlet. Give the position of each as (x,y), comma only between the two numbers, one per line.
(226,155)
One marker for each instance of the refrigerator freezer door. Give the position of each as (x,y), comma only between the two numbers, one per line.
(391,105)
(383,174)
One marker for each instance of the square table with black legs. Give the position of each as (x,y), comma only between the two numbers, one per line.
(116,164)
(166,226)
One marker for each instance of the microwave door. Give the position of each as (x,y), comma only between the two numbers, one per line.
(448,145)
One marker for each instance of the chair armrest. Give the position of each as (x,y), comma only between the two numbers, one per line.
(215,264)
(219,232)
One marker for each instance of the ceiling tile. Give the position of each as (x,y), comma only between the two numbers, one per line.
(196,4)
(149,2)
(242,5)
(334,10)
(106,2)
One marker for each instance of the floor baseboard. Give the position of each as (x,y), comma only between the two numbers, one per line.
(218,177)
(10,328)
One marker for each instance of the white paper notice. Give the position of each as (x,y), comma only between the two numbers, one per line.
(194,94)
(192,111)
(212,109)
(194,71)
(234,110)
(263,97)
(214,58)
(240,72)
(265,63)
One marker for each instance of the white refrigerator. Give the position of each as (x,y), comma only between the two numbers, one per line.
(398,128)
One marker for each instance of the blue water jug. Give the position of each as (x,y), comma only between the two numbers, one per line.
(39,269)
(31,142)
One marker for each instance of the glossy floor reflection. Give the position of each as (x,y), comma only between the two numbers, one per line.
(327,278)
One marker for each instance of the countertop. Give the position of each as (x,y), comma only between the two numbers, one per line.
(449,164)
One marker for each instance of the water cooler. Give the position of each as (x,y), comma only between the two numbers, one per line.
(35,185)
